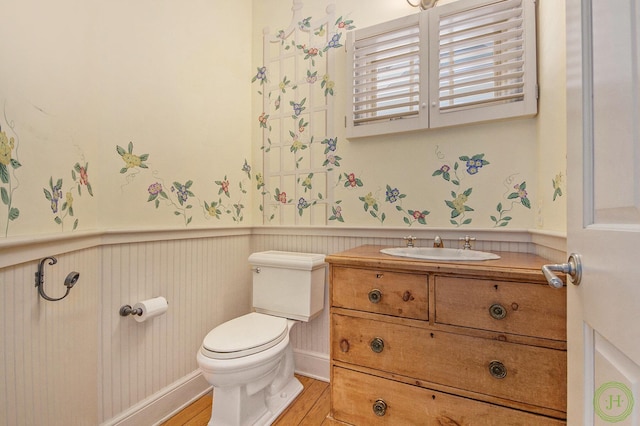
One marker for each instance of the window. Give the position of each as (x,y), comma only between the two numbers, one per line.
(463,62)
(388,66)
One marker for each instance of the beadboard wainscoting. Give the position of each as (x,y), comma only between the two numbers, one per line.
(48,360)
(206,281)
(78,362)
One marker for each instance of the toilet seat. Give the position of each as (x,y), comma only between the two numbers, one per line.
(245,335)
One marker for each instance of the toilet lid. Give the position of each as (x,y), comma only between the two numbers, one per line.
(245,335)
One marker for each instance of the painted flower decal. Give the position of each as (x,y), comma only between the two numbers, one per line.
(259,181)
(307,182)
(80,174)
(419,216)
(156,191)
(334,42)
(345,24)
(370,204)
(305,24)
(327,84)
(393,195)
(459,207)
(475,163)
(212,209)
(336,213)
(351,180)
(331,145)
(302,204)
(263,120)
(284,84)
(224,186)
(521,193)
(130,159)
(444,172)
(312,77)
(557,186)
(298,107)
(247,168)
(6,146)
(332,160)
(281,197)
(261,75)
(182,191)
(68,202)
(297,145)
(54,195)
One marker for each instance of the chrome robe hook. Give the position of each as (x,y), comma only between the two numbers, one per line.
(69,282)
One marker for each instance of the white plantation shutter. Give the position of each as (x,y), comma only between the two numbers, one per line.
(388,65)
(483,61)
(462,62)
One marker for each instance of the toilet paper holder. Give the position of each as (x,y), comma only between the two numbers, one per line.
(127,310)
(146,309)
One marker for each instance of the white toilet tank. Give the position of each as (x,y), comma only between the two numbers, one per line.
(288,284)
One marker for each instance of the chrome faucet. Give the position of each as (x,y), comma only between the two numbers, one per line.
(467,242)
(437,241)
(411,240)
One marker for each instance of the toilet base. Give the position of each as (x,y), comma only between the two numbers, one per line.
(275,404)
(278,403)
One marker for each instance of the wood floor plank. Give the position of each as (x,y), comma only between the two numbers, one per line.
(319,410)
(202,419)
(303,403)
(202,404)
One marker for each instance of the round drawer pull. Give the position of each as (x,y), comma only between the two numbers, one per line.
(497,311)
(377,345)
(380,407)
(497,369)
(344,345)
(375,295)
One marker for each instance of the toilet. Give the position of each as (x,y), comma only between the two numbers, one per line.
(249,360)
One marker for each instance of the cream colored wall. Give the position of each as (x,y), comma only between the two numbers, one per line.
(551,213)
(79,78)
(517,150)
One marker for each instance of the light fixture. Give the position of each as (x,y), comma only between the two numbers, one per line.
(424,4)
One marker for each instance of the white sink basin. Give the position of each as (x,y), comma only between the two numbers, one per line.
(436,253)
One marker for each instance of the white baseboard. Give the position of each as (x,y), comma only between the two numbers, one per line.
(160,406)
(312,364)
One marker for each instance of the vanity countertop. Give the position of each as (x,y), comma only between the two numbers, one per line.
(511,265)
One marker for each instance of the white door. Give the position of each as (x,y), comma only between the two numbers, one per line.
(603,195)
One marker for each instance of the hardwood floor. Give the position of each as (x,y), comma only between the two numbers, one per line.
(310,408)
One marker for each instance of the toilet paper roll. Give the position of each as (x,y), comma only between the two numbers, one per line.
(151,308)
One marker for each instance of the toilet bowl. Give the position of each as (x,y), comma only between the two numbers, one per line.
(249,360)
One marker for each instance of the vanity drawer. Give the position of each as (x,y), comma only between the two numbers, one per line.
(362,399)
(507,307)
(382,292)
(515,372)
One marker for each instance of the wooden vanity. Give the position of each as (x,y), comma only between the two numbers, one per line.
(445,343)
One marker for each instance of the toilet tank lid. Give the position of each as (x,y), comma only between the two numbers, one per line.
(287,259)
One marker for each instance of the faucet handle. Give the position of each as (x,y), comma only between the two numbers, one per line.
(467,242)
(437,241)
(410,239)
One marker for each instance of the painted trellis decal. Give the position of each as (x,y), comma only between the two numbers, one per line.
(299,142)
